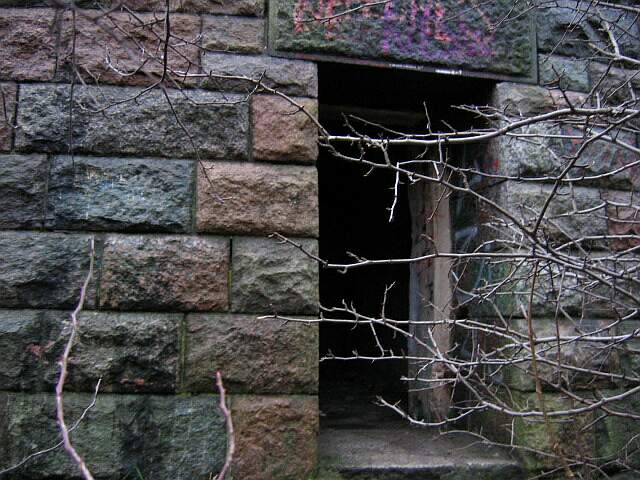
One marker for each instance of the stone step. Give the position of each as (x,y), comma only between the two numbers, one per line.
(402,452)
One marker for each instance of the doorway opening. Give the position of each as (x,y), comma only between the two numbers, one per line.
(355,223)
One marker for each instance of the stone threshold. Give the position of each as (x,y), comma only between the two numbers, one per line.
(402,452)
(362,441)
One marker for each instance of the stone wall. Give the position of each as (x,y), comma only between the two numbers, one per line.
(183,263)
(589,209)
(180,220)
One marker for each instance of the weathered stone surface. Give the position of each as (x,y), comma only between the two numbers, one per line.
(30,345)
(293,77)
(572,435)
(164,273)
(268,276)
(617,436)
(629,350)
(256,198)
(623,211)
(564,31)
(567,73)
(28,424)
(217,123)
(44,270)
(123,436)
(24,3)
(174,437)
(233,34)
(601,163)
(281,133)
(532,431)
(410,32)
(579,353)
(632,475)
(23,182)
(275,437)
(603,157)
(569,289)
(254,356)
(574,212)
(120,194)
(225,7)
(614,85)
(28,44)
(517,99)
(129,352)
(8,97)
(127,43)
(380,450)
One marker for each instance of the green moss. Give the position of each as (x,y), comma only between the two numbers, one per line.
(327,469)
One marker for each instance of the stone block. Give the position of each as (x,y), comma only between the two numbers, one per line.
(603,157)
(626,475)
(275,437)
(124,48)
(293,77)
(602,163)
(268,276)
(282,133)
(44,270)
(217,123)
(90,193)
(579,436)
(571,434)
(443,34)
(617,437)
(579,353)
(28,424)
(629,348)
(232,198)
(31,346)
(233,34)
(122,436)
(8,97)
(24,3)
(615,85)
(254,356)
(567,433)
(573,213)
(525,100)
(23,189)
(129,352)
(623,215)
(567,73)
(28,44)
(569,26)
(172,437)
(164,273)
(226,7)
(503,288)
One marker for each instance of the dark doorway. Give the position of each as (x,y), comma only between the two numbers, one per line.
(354,221)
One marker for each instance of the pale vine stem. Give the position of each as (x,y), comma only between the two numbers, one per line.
(64,365)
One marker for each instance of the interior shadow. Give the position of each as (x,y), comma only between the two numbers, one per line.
(355,222)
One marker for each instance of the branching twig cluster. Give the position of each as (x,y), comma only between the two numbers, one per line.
(540,300)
